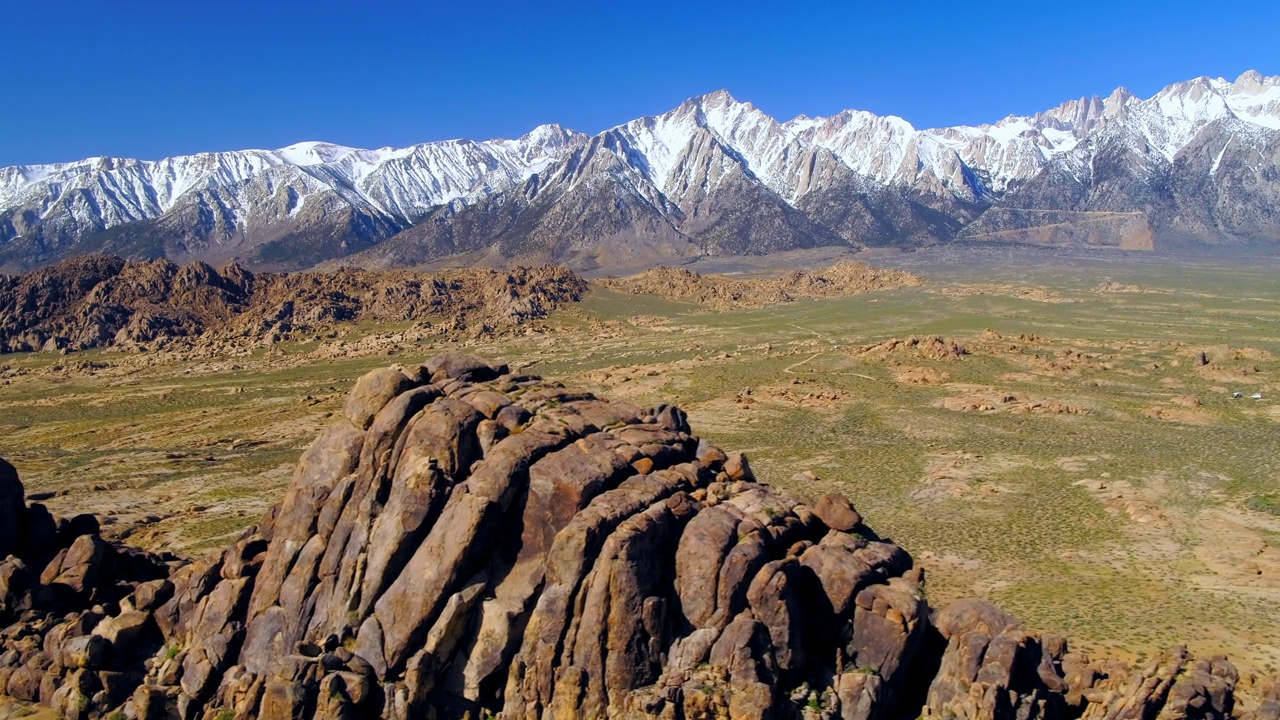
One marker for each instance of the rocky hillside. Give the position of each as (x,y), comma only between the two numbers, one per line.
(467,542)
(99,301)
(724,292)
(1196,162)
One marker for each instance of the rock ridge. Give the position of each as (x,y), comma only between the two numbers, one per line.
(724,292)
(97,301)
(465,541)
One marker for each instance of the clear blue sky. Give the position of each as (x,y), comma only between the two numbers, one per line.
(149,79)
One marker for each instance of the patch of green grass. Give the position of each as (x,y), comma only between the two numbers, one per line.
(229,493)
(1269,504)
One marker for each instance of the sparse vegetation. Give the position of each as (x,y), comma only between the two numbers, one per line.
(1115,527)
(1268,503)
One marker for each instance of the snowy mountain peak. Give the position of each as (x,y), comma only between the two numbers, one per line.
(1173,117)
(1120,96)
(1083,115)
(1256,98)
(312,153)
(543,145)
(1254,83)
(716,98)
(551,133)
(678,158)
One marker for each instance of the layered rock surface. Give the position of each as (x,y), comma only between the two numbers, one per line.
(464,541)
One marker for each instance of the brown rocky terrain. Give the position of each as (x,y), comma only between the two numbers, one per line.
(932,347)
(724,292)
(100,301)
(463,541)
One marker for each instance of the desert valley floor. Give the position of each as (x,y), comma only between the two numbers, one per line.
(1035,428)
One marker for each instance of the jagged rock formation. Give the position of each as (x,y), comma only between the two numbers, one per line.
(466,541)
(100,301)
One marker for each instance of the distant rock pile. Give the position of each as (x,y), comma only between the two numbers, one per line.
(468,542)
(1111,286)
(100,301)
(930,347)
(724,292)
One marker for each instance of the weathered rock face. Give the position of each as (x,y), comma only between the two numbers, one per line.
(465,540)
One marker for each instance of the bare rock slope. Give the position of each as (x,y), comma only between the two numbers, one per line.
(464,541)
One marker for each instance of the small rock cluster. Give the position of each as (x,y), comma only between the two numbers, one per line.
(78,611)
(469,542)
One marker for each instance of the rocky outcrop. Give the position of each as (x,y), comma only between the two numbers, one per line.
(77,609)
(465,541)
(99,301)
(725,292)
(931,347)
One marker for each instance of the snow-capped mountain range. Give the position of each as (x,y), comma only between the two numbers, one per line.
(713,175)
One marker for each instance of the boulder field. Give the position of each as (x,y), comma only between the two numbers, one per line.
(464,541)
(98,301)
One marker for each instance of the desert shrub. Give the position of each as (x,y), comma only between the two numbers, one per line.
(1267,503)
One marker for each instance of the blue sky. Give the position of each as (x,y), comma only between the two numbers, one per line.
(148,79)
